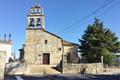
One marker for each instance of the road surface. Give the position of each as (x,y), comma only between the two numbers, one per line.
(65,77)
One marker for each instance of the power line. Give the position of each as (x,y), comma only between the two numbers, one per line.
(104,12)
(109,9)
(101,7)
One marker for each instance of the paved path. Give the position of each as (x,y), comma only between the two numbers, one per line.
(18,77)
(66,77)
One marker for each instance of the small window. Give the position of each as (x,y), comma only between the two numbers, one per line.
(59,49)
(46,41)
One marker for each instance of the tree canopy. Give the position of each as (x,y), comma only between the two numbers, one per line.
(98,41)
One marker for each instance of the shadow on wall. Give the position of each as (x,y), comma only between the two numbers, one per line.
(58,67)
(72,56)
(83,70)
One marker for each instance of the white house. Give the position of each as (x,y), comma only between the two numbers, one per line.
(6,46)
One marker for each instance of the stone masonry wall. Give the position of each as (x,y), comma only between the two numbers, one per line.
(35,47)
(91,68)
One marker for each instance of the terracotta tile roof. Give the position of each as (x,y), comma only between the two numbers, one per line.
(66,43)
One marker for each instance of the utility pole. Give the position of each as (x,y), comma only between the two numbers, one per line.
(102,60)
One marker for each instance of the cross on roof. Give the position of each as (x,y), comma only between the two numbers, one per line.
(36,2)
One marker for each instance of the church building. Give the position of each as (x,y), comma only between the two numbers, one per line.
(43,48)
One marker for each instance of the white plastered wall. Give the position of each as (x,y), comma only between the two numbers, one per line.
(8,49)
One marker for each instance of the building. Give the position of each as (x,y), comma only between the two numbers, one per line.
(6,46)
(43,48)
(47,53)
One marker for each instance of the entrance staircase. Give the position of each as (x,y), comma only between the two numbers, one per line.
(49,70)
(18,68)
(40,69)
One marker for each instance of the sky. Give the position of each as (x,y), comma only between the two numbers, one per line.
(59,14)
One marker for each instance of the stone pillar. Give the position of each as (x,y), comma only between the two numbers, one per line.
(2,64)
(64,59)
(64,62)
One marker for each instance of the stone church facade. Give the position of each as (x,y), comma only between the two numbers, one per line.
(43,48)
(47,53)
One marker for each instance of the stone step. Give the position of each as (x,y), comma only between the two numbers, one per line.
(19,69)
(36,70)
(50,70)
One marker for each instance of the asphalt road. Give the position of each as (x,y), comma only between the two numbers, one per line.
(66,77)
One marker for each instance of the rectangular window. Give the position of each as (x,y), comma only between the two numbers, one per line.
(46,41)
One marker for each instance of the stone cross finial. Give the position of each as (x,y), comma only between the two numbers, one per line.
(9,37)
(36,2)
(5,37)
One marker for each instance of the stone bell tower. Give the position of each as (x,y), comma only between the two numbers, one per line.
(35,27)
(35,18)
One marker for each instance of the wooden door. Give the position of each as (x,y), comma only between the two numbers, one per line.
(46,58)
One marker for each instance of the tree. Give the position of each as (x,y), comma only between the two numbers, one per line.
(98,41)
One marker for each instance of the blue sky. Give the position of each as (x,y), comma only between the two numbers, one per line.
(58,15)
